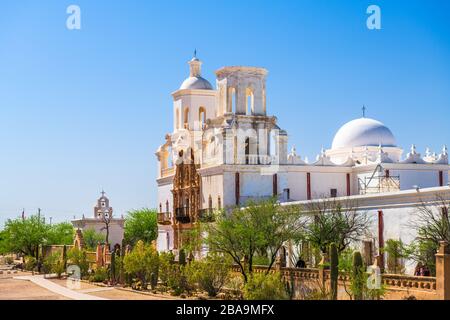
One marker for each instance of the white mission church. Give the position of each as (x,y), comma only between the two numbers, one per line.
(226,149)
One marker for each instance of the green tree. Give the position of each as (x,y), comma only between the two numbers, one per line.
(432,224)
(327,221)
(92,238)
(60,233)
(262,227)
(25,235)
(141,225)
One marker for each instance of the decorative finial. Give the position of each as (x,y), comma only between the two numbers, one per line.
(364,111)
(444,150)
(427,152)
(413,149)
(293,151)
(195,53)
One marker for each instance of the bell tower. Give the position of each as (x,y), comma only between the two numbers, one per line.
(103,210)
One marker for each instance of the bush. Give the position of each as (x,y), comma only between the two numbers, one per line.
(9,260)
(30,263)
(235,284)
(100,275)
(166,260)
(141,262)
(210,273)
(78,257)
(54,264)
(178,280)
(265,287)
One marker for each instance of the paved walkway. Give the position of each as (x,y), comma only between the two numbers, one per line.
(56,288)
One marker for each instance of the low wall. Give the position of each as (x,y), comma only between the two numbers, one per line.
(307,280)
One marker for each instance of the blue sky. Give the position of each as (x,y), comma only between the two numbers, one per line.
(86,109)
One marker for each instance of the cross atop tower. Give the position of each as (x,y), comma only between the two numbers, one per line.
(195,53)
(103,193)
(364,111)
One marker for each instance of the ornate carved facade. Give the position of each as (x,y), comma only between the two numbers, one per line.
(186,196)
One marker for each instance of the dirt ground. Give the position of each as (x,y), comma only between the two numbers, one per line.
(12,289)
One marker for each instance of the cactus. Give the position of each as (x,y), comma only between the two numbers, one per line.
(64,257)
(334,271)
(182,257)
(122,256)
(112,268)
(357,276)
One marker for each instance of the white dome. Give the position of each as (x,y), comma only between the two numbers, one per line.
(363,132)
(197,83)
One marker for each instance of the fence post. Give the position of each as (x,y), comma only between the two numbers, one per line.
(443,271)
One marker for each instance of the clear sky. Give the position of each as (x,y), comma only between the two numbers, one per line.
(82,110)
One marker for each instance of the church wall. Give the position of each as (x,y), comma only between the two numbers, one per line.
(254,184)
(297,185)
(420,178)
(212,186)
(165,194)
(165,238)
(322,183)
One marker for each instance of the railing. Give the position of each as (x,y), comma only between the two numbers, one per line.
(167,172)
(182,215)
(206,215)
(409,282)
(255,159)
(164,217)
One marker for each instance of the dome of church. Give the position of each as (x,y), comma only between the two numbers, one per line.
(198,83)
(363,132)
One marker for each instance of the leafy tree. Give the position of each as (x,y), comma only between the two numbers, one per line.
(432,224)
(61,233)
(329,221)
(141,225)
(395,255)
(92,238)
(258,228)
(25,235)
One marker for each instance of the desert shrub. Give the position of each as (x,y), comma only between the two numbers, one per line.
(210,273)
(141,262)
(166,260)
(78,257)
(235,284)
(8,260)
(53,264)
(178,280)
(100,275)
(30,263)
(265,287)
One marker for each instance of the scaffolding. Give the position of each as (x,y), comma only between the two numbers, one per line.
(379,182)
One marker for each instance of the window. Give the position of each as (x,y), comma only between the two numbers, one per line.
(231,107)
(333,193)
(201,116)
(247,150)
(249,107)
(186,118)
